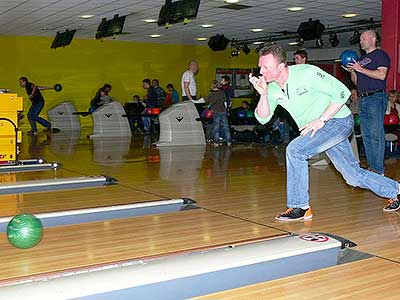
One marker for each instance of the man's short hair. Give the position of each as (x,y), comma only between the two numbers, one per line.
(169,85)
(276,51)
(214,83)
(302,53)
(226,78)
(146,80)
(23,78)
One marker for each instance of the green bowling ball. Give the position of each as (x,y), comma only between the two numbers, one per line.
(250,114)
(356,120)
(24,231)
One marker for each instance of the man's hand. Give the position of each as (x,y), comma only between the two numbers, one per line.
(347,69)
(259,84)
(312,127)
(354,66)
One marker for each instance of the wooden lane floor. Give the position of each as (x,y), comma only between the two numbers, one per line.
(248,182)
(80,246)
(53,201)
(370,279)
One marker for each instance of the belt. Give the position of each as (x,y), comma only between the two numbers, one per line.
(366,94)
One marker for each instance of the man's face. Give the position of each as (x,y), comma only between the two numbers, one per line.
(392,97)
(270,68)
(298,60)
(145,85)
(194,67)
(367,41)
(22,83)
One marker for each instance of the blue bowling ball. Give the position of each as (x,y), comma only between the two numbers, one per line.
(348,56)
(242,114)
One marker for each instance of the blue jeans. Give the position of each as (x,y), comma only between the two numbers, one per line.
(332,139)
(146,123)
(372,112)
(33,116)
(221,119)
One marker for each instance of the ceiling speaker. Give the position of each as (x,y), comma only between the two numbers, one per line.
(311,30)
(218,42)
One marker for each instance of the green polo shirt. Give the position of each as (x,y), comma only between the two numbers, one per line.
(308,92)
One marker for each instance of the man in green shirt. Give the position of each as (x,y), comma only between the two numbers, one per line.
(315,99)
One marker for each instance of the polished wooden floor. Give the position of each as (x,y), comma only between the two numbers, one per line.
(239,189)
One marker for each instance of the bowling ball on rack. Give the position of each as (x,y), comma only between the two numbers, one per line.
(391,120)
(208,114)
(24,231)
(348,56)
(250,114)
(242,114)
(58,87)
(356,120)
(156,111)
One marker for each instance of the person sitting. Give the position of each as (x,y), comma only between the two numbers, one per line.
(393,108)
(101,97)
(134,110)
(354,102)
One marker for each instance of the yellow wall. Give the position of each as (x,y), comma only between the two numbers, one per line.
(85,65)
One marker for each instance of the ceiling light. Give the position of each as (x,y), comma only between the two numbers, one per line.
(293,43)
(246,49)
(150,20)
(349,15)
(258,43)
(231,1)
(201,39)
(235,53)
(257,29)
(333,39)
(154,35)
(86,16)
(207,25)
(300,42)
(296,8)
(319,43)
(355,38)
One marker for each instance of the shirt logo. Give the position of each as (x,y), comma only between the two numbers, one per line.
(365,61)
(301,90)
(321,75)
(342,94)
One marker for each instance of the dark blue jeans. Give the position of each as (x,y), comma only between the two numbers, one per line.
(372,112)
(221,119)
(33,116)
